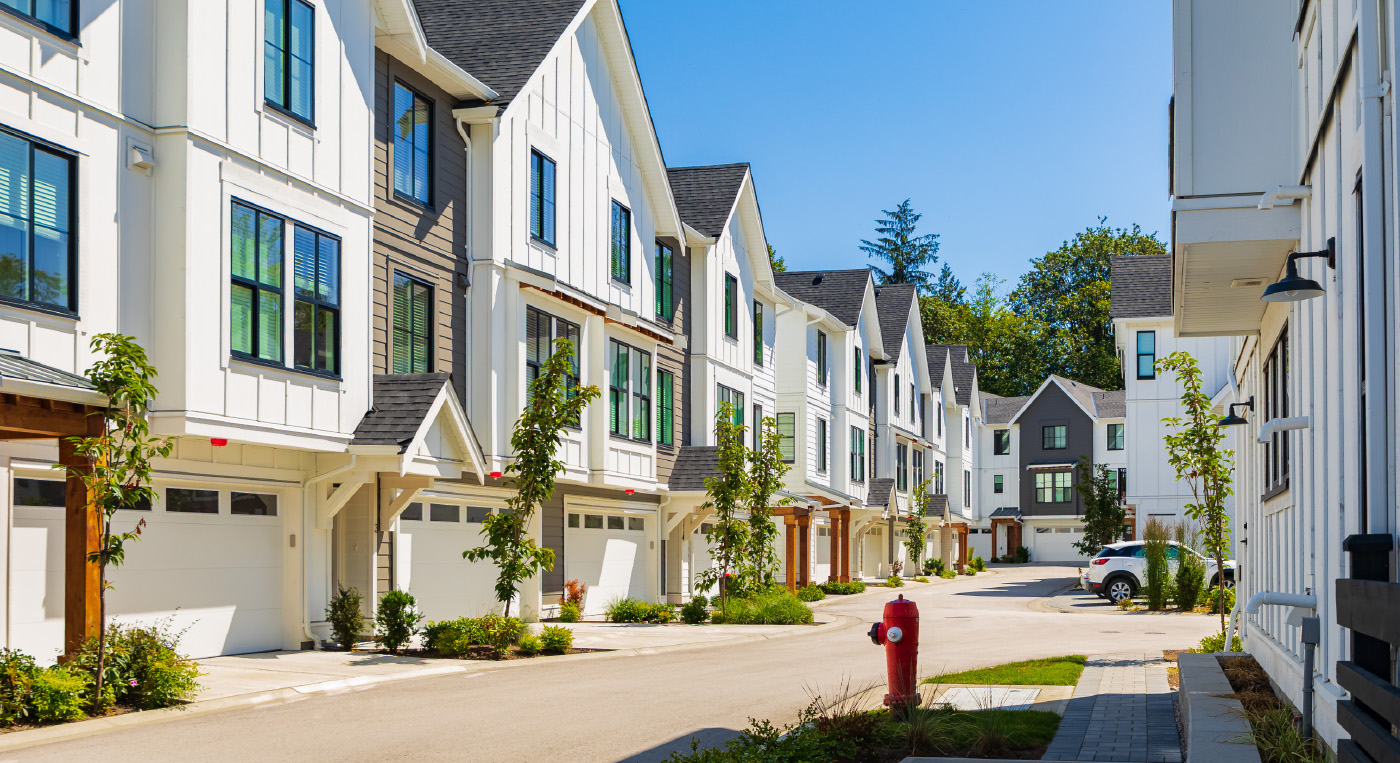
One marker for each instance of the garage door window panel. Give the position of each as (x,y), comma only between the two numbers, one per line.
(32,492)
(414,513)
(191,501)
(592,522)
(253,504)
(444,512)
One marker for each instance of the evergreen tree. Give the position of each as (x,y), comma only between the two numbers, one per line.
(902,248)
(1103,511)
(774,260)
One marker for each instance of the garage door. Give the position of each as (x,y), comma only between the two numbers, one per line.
(608,553)
(431,539)
(979,543)
(1056,544)
(209,562)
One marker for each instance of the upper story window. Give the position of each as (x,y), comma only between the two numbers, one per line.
(1053,437)
(37,256)
(913,404)
(821,358)
(756,431)
(918,456)
(1115,436)
(1001,442)
(901,466)
(858,370)
(541,197)
(541,330)
(735,398)
(898,408)
(255,298)
(822,438)
(621,266)
(665,285)
(938,477)
(1052,487)
(1122,485)
(316,314)
(631,378)
(998,483)
(1147,354)
(967,488)
(665,408)
(757,333)
(59,16)
(967,430)
(289,55)
(858,436)
(731,306)
(1275,380)
(413,335)
(938,417)
(413,145)
(787,436)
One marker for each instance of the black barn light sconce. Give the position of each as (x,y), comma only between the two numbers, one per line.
(1234,419)
(1293,287)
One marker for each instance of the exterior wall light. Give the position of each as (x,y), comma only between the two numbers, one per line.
(1234,419)
(1293,287)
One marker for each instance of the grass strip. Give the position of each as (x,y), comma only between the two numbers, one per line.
(1054,671)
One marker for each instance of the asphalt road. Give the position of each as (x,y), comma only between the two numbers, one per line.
(640,708)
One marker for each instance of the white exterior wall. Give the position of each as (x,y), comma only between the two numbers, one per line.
(989,464)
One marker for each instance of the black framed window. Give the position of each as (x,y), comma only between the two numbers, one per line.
(621,243)
(821,358)
(58,16)
(641,395)
(34,492)
(787,436)
(629,392)
(444,512)
(413,336)
(38,259)
(967,430)
(665,408)
(1001,442)
(1053,437)
(1052,487)
(289,55)
(1275,405)
(901,466)
(918,466)
(1115,436)
(967,488)
(757,333)
(822,445)
(938,417)
(998,484)
(898,406)
(731,306)
(858,436)
(756,431)
(617,389)
(1147,354)
(913,404)
(734,397)
(541,197)
(316,314)
(413,145)
(1122,485)
(541,330)
(255,309)
(858,371)
(938,477)
(665,283)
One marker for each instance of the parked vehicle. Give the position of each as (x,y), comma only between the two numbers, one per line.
(1118,571)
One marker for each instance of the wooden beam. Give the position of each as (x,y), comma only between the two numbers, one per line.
(82,534)
(329,507)
(392,504)
(35,417)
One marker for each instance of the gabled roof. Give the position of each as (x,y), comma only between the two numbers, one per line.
(1111,405)
(839,292)
(694,464)
(937,359)
(1141,286)
(1000,410)
(706,196)
(1094,402)
(16,366)
(893,302)
(401,402)
(963,369)
(881,488)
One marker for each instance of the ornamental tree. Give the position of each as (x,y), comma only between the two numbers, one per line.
(1103,510)
(551,404)
(728,492)
(915,535)
(766,470)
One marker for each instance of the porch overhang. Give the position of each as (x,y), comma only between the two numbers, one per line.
(1224,253)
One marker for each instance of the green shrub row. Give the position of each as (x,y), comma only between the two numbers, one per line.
(771,607)
(842,589)
(894,581)
(630,610)
(454,638)
(947,574)
(933,566)
(695,611)
(811,593)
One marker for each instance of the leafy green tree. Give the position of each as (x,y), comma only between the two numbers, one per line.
(536,439)
(777,262)
(1193,450)
(766,470)
(1006,347)
(1103,511)
(915,533)
(120,473)
(902,248)
(728,534)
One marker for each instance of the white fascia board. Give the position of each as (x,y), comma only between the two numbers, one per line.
(399,33)
(28,388)
(696,238)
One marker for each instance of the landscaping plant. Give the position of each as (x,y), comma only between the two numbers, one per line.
(1215,594)
(345,618)
(770,607)
(894,581)
(947,574)
(694,612)
(529,645)
(498,633)
(979,564)
(554,400)
(765,479)
(58,695)
(727,493)
(915,536)
(1190,569)
(1023,555)
(933,566)
(555,639)
(569,612)
(17,674)
(1155,536)
(1104,512)
(842,589)
(574,591)
(396,621)
(1216,643)
(627,610)
(811,593)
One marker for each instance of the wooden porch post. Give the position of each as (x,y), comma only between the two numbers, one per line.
(835,532)
(804,548)
(845,545)
(790,557)
(82,536)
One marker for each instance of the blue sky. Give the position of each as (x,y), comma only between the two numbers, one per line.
(1011,125)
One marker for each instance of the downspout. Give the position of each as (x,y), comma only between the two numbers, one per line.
(1273,426)
(1311,627)
(660,527)
(308,507)
(1285,195)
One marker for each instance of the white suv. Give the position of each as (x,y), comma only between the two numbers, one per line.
(1120,569)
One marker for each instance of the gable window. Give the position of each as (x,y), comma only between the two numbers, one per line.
(757,333)
(541,197)
(413,145)
(967,430)
(731,306)
(1053,437)
(289,46)
(412,326)
(938,416)
(665,286)
(821,445)
(621,243)
(1275,380)
(1001,442)
(1052,487)
(821,358)
(787,437)
(56,16)
(897,407)
(665,408)
(37,256)
(901,466)
(735,398)
(859,370)
(1146,354)
(1115,436)
(857,454)
(316,313)
(998,485)
(255,297)
(630,379)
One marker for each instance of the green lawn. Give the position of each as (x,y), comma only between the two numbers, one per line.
(1055,671)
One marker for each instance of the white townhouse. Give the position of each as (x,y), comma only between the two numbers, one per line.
(1143,331)
(998,468)
(961,419)
(1283,176)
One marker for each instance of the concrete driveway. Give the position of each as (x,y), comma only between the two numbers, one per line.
(638,708)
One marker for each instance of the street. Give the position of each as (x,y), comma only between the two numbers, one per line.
(641,708)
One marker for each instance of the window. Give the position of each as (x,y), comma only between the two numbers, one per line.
(757,428)
(37,256)
(735,398)
(413,145)
(641,396)
(918,456)
(901,466)
(938,416)
(998,484)
(477,514)
(615,523)
(412,332)
(967,430)
(255,311)
(592,522)
(1115,436)
(316,313)
(1122,485)
(787,437)
(821,358)
(617,390)
(1001,442)
(757,333)
(631,377)
(857,454)
(413,512)
(1053,437)
(858,369)
(665,284)
(938,477)
(573,520)
(1275,380)
(253,504)
(967,488)
(541,331)
(54,15)
(821,445)
(897,406)
(731,306)
(541,198)
(31,492)
(637,524)
(1146,354)
(621,243)
(913,403)
(289,34)
(188,501)
(1052,487)
(444,512)
(665,408)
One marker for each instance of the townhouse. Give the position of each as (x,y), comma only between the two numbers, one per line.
(1283,235)
(958,426)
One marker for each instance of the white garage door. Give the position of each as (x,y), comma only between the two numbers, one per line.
(608,553)
(209,562)
(431,539)
(979,543)
(1056,544)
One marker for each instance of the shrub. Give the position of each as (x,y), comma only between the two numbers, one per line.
(978,564)
(343,613)
(1190,579)
(1023,555)
(894,581)
(920,579)
(627,610)
(933,566)
(556,639)
(574,592)
(843,589)
(17,674)
(142,669)
(58,695)
(1155,550)
(897,568)
(396,622)
(452,638)
(1212,598)
(569,612)
(1215,642)
(811,593)
(969,571)
(529,645)
(661,613)
(498,632)
(947,574)
(767,608)
(693,612)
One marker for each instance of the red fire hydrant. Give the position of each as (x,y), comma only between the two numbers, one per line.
(899,632)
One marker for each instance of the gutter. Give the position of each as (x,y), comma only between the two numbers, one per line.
(1284,195)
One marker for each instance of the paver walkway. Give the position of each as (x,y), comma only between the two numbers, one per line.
(1121,711)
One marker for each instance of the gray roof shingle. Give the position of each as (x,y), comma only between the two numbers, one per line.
(1101,404)
(881,488)
(1111,405)
(938,505)
(15,366)
(1141,286)
(1000,410)
(705,195)
(892,302)
(694,464)
(500,42)
(1009,512)
(839,292)
(401,401)
(964,370)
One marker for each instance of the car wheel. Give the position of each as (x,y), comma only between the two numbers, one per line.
(1229,581)
(1119,589)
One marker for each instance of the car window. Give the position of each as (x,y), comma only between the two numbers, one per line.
(1138,551)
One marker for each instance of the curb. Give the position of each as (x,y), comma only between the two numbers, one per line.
(20,740)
